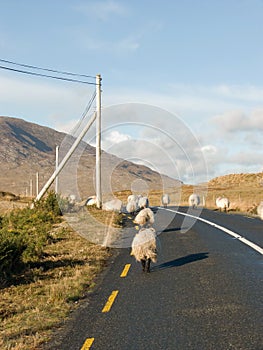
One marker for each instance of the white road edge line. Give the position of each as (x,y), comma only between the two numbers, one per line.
(231,233)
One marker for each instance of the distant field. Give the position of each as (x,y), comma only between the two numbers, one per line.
(245,192)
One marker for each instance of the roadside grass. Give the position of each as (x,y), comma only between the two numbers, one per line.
(38,299)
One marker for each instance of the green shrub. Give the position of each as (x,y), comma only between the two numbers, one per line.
(25,232)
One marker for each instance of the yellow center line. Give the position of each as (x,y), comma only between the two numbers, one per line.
(110,301)
(87,344)
(125,270)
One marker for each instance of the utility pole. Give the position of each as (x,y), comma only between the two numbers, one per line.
(98,141)
(56,181)
(37,183)
(66,158)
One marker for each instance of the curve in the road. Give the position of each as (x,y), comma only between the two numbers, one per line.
(222,228)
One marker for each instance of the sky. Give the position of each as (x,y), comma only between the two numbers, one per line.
(182,81)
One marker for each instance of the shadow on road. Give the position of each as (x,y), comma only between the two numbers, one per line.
(181,261)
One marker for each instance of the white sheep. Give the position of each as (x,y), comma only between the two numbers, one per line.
(222,203)
(144,247)
(113,205)
(91,200)
(260,210)
(145,217)
(194,200)
(143,202)
(165,200)
(131,207)
(132,197)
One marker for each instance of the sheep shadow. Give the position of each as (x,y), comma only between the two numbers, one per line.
(181,261)
(173,229)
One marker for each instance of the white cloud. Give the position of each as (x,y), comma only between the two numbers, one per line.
(236,121)
(116,137)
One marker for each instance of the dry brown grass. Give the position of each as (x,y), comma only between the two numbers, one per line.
(43,296)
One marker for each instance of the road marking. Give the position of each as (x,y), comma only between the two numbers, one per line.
(110,301)
(125,270)
(87,344)
(226,230)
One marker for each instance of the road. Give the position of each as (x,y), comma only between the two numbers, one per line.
(204,293)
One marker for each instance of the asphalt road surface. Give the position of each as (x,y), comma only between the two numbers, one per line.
(204,292)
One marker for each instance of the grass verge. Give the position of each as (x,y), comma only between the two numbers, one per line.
(44,294)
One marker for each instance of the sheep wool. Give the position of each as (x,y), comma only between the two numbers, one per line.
(143,202)
(144,217)
(222,203)
(194,200)
(144,245)
(131,206)
(165,200)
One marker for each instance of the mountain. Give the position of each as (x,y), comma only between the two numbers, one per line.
(28,149)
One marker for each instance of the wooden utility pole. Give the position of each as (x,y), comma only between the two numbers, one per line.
(37,183)
(57,161)
(98,141)
(66,158)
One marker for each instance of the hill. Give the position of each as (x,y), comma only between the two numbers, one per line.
(27,149)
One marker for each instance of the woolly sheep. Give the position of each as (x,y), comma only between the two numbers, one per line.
(91,200)
(165,200)
(260,210)
(113,205)
(222,203)
(132,197)
(145,217)
(143,202)
(194,200)
(144,247)
(131,207)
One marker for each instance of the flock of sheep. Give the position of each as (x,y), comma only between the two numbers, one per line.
(144,244)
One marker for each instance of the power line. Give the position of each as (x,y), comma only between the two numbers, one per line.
(48,75)
(47,69)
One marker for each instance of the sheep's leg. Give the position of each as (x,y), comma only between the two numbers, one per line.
(143,261)
(148,263)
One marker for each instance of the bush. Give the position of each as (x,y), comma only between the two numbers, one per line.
(11,250)
(25,232)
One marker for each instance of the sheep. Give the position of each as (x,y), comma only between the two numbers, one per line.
(91,200)
(194,200)
(165,200)
(144,247)
(131,207)
(145,217)
(143,202)
(132,197)
(260,210)
(113,205)
(222,203)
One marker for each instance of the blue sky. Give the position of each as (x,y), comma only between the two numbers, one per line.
(198,61)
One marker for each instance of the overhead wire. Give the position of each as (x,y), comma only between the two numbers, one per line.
(87,108)
(48,76)
(46,69)
(84,114)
